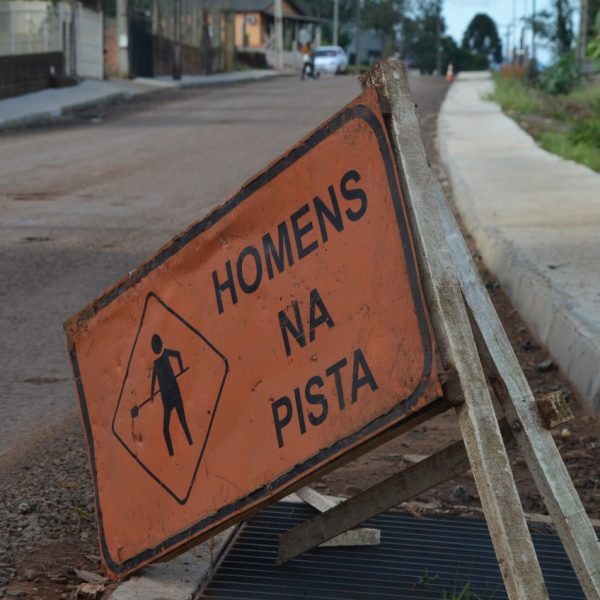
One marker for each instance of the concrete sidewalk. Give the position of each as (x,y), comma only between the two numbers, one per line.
(536,221)
(46,105)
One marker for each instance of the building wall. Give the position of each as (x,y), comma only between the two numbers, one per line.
(28,73)
(194,60)
(253,30)
(89,43)
(111,47)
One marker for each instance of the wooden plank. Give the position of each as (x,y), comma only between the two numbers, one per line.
(389,493)
(354,537)
(319,501)
(365,536)
(519,406)
(410,482)
(554,409)
(479,427)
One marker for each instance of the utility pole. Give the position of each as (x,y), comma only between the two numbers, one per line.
(513,25)
(359,5)
(533,26)
(438,39)
(583,25)
(177,40)
(279,34)
(336,21)
(123,38)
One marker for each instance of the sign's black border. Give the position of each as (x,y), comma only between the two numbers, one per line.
(359,111)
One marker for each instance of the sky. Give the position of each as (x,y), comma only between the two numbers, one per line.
(458,13)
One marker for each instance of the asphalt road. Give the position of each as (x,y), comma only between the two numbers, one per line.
(83,203)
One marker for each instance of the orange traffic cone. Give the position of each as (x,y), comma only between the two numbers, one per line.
(450,73)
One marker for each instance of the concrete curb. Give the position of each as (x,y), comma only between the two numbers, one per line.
(47,116)
(40,117)
(179,578)
(470,146)
(218,79)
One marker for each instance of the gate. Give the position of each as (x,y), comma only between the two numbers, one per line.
(141,45)
(89,43)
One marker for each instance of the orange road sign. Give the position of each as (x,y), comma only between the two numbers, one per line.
(274,336)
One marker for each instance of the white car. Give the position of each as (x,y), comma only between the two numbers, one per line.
(330,59)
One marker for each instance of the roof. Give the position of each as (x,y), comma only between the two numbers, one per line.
(250,5)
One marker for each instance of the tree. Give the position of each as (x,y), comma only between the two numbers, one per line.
(593,12)
(555,26)
(385,17)
(420,35)
(563,32)
(481,37)
(461,58)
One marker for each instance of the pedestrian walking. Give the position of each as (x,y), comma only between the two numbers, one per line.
(308,62)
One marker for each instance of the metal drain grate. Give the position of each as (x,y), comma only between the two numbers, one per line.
(420,559)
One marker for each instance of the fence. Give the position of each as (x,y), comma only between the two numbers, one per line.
(206,39)
(31,28)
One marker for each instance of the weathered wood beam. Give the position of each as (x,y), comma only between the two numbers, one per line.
(528,423)
(398,488)
(487,455)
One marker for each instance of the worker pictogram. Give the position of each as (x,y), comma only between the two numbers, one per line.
(163,375)
(166,430)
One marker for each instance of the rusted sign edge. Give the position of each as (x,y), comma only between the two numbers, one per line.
(353,111)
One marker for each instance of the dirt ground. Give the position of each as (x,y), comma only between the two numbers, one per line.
(45,537)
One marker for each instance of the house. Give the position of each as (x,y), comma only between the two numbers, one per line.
(255,29)
(45,42)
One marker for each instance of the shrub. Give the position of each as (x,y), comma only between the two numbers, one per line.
(587,132)
(562,76)
(515,96)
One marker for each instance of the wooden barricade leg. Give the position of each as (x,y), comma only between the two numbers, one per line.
(412,481)
(479,427)
(518,403)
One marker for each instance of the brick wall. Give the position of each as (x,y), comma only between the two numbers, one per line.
(111,46)
(194,61)
(27,73)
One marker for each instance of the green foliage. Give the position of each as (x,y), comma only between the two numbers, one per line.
(384,16)
(563,32)
(420,35)
(554,25)
(515,96)
(541,23)
(586,132)
(567,125)
(587,97)
(464,594)
(481,37)
(593,49)
(563,145)
(593,14)
(562,76)
(466,60)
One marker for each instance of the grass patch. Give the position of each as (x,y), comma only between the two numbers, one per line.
(561,144)
(567,125)
(515,96)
